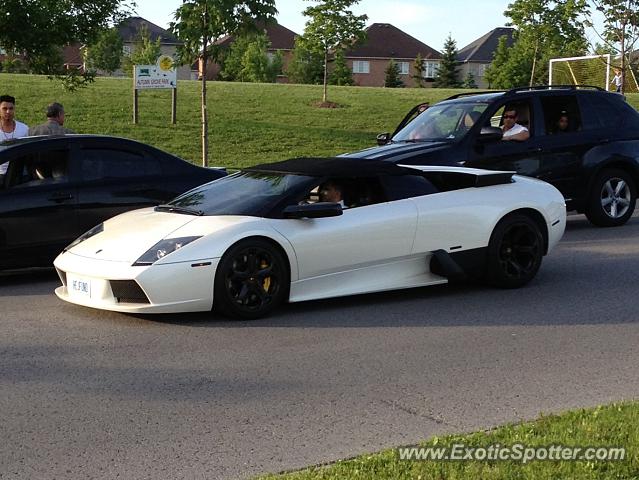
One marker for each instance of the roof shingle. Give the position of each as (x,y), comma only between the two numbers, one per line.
(483,49)
(384,40)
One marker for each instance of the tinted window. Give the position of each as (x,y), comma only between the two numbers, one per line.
(561,114)
(244,193)
(41,168)
(407,186)
(605,113)
(107,163)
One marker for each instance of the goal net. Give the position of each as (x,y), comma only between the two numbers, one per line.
(597,70)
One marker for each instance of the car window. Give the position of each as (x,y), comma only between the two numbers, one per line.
(561,114)
(351,192)
(524,115)
(399,187)
(442,122)
(606,114)
(38,168)
(99,163)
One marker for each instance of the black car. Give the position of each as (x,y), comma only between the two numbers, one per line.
(55,188)
(593,159)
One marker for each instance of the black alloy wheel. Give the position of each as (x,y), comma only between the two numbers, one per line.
(515,252)
(251,280)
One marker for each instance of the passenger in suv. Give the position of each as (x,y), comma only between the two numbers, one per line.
(594,162)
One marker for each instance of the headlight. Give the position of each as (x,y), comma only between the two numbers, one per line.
(162,249)
(94,231)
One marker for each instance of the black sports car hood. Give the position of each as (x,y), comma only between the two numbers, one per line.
(396,152)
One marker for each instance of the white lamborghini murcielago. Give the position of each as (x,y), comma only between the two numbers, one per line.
(245,243)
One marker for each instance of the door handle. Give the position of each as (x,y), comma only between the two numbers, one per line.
(534,149)
(60,197)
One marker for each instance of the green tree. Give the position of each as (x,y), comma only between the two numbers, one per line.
(40,29)
(247,60)
(306,64)
(494,73)
(545,29)
(391,78)
(418,71)
(199,23)
(145,51)
(332,25)
(620,30)
(106,53)
(469,81)
(341,73)
(447,72)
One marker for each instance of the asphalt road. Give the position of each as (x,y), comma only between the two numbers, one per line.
(90,394)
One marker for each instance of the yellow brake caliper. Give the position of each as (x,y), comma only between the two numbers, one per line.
(267,281)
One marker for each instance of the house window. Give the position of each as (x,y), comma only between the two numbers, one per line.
(361,66)
(430,69)
(481,70)
(126,50)
(404,68)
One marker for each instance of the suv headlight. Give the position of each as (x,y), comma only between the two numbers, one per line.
(162,249)
(94,231)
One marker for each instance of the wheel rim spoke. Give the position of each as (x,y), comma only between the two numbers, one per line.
(253,279)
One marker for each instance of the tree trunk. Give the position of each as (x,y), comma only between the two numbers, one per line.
(623,55)
(324,96)
(534,65)
(205,118)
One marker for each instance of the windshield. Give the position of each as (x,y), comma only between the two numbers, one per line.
(243,193)
(442,123)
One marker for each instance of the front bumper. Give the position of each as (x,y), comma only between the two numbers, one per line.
(167,288)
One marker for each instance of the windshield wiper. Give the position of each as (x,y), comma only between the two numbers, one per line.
(176,209)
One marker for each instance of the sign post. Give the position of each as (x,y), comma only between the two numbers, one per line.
(162,75)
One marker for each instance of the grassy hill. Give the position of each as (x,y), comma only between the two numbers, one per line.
(249,123)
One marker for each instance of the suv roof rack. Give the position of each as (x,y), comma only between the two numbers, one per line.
(470,94)
(556,87)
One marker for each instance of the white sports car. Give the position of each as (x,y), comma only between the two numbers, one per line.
(306,229)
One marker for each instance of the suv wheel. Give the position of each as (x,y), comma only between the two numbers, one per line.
(612,199)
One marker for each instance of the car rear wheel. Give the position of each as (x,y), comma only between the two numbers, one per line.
(252,279)
(612,199)
(514,252)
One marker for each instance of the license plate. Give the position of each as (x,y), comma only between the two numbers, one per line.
(80,287)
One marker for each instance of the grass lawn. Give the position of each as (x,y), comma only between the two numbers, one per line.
(249,123)
(609,426)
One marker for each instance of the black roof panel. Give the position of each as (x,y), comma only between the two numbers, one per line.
(331,166)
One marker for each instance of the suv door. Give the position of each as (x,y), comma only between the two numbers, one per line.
(523,157)
(116,178)
(563,151)
(38,202)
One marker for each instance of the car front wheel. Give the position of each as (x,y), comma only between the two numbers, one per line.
(252,279)
(612,199)
(515,252)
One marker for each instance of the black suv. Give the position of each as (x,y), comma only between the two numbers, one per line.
(592,158)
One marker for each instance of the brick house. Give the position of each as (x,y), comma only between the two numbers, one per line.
(129,30)
(476,56)
(384,42)
(280,38)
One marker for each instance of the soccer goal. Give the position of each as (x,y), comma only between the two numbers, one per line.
(597,70)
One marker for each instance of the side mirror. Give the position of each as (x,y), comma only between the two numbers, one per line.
(313,210)
(383,138)
(490,134)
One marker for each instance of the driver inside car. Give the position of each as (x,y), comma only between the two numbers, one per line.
(331,191)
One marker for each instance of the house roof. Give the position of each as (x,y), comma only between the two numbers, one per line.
(130,27)
(483,49)
(384,40)
(281,38)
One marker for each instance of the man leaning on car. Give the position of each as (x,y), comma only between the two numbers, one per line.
(54,124)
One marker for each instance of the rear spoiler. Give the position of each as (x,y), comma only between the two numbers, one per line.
(474,177)
(490,179)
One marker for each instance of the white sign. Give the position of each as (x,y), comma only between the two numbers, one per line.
(161,75)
